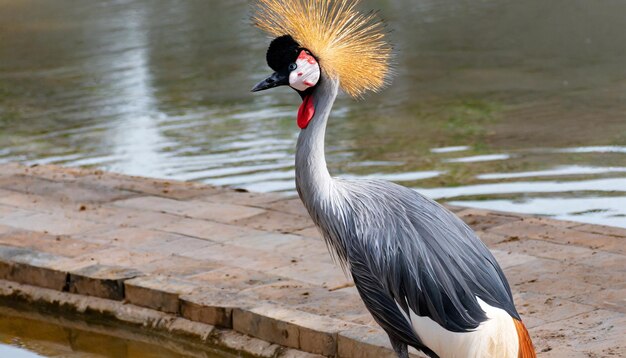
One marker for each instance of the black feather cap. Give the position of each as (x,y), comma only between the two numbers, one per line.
(283,51)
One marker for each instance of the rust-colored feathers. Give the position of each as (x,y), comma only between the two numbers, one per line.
(526,349)
(349,45)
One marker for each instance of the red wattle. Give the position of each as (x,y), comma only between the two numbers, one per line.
(306,112)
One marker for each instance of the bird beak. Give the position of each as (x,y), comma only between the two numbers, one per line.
(275,80)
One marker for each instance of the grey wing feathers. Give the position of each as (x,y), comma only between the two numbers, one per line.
(382,305)
(408,251)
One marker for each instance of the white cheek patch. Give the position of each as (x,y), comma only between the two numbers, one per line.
(307,74)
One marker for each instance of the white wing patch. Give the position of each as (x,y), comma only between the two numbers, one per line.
(494,338)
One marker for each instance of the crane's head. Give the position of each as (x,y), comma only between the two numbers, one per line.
(318,38)
(293,65)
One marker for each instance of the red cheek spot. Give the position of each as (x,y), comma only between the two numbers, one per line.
(307,83)
(305,56)
(300,74)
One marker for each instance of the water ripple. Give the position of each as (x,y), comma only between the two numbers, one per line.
(556,171)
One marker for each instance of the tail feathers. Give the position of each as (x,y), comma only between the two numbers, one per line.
(526,349)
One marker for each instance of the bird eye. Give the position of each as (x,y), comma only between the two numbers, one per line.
(292,67)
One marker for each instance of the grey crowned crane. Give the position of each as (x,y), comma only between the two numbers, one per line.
(424,275)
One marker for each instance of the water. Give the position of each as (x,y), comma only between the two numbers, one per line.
(501,104)
(31,335)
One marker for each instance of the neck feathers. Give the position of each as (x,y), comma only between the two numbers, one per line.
(318,191)
(313,180)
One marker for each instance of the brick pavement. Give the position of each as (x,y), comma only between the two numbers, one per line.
(255,264)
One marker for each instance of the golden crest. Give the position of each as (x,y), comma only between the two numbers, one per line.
(349,45)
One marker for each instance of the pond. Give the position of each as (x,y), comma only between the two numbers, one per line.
(508,105)
(29,335)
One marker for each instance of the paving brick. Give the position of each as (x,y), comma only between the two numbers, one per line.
(53,223)
(602,230)
(267,323)
(52,244)
(288,205)
(30,202)
(276,221)
(14,217)
(564,224)
(291,328)
(291,245)
(254,346)
(537,309)
(482,219)
(287,292)
(221,212)
(608,298)
(135,184)
(178,266)
(101,281)
(337,304)
(64,191)
(201,229)
(10,169)
(537,229)
(177,245)
(5,229)
(613,244)
(117,217)
(552,278)
(31,267)
(241,257)
(117,256)
(312,232)
(509,259)
(242,198)
(603,261)
(454,208)
(292,353)
(127,237)
(588,332)
(20,238)
(492,239)
(69,211)
(233,279)
(550,351)
(544,249)
(157,292)
(602,278)
(189,329)
(318,334)
(70,264)
(305,297)
(164,188)
(364,342)
(211,307)
(318,270)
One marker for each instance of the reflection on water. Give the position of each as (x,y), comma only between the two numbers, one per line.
(30,335)
(14,352)
(500,104)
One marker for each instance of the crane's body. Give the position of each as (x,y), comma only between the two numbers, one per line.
(423,274)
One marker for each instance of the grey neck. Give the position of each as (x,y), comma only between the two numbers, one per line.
(313,181)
